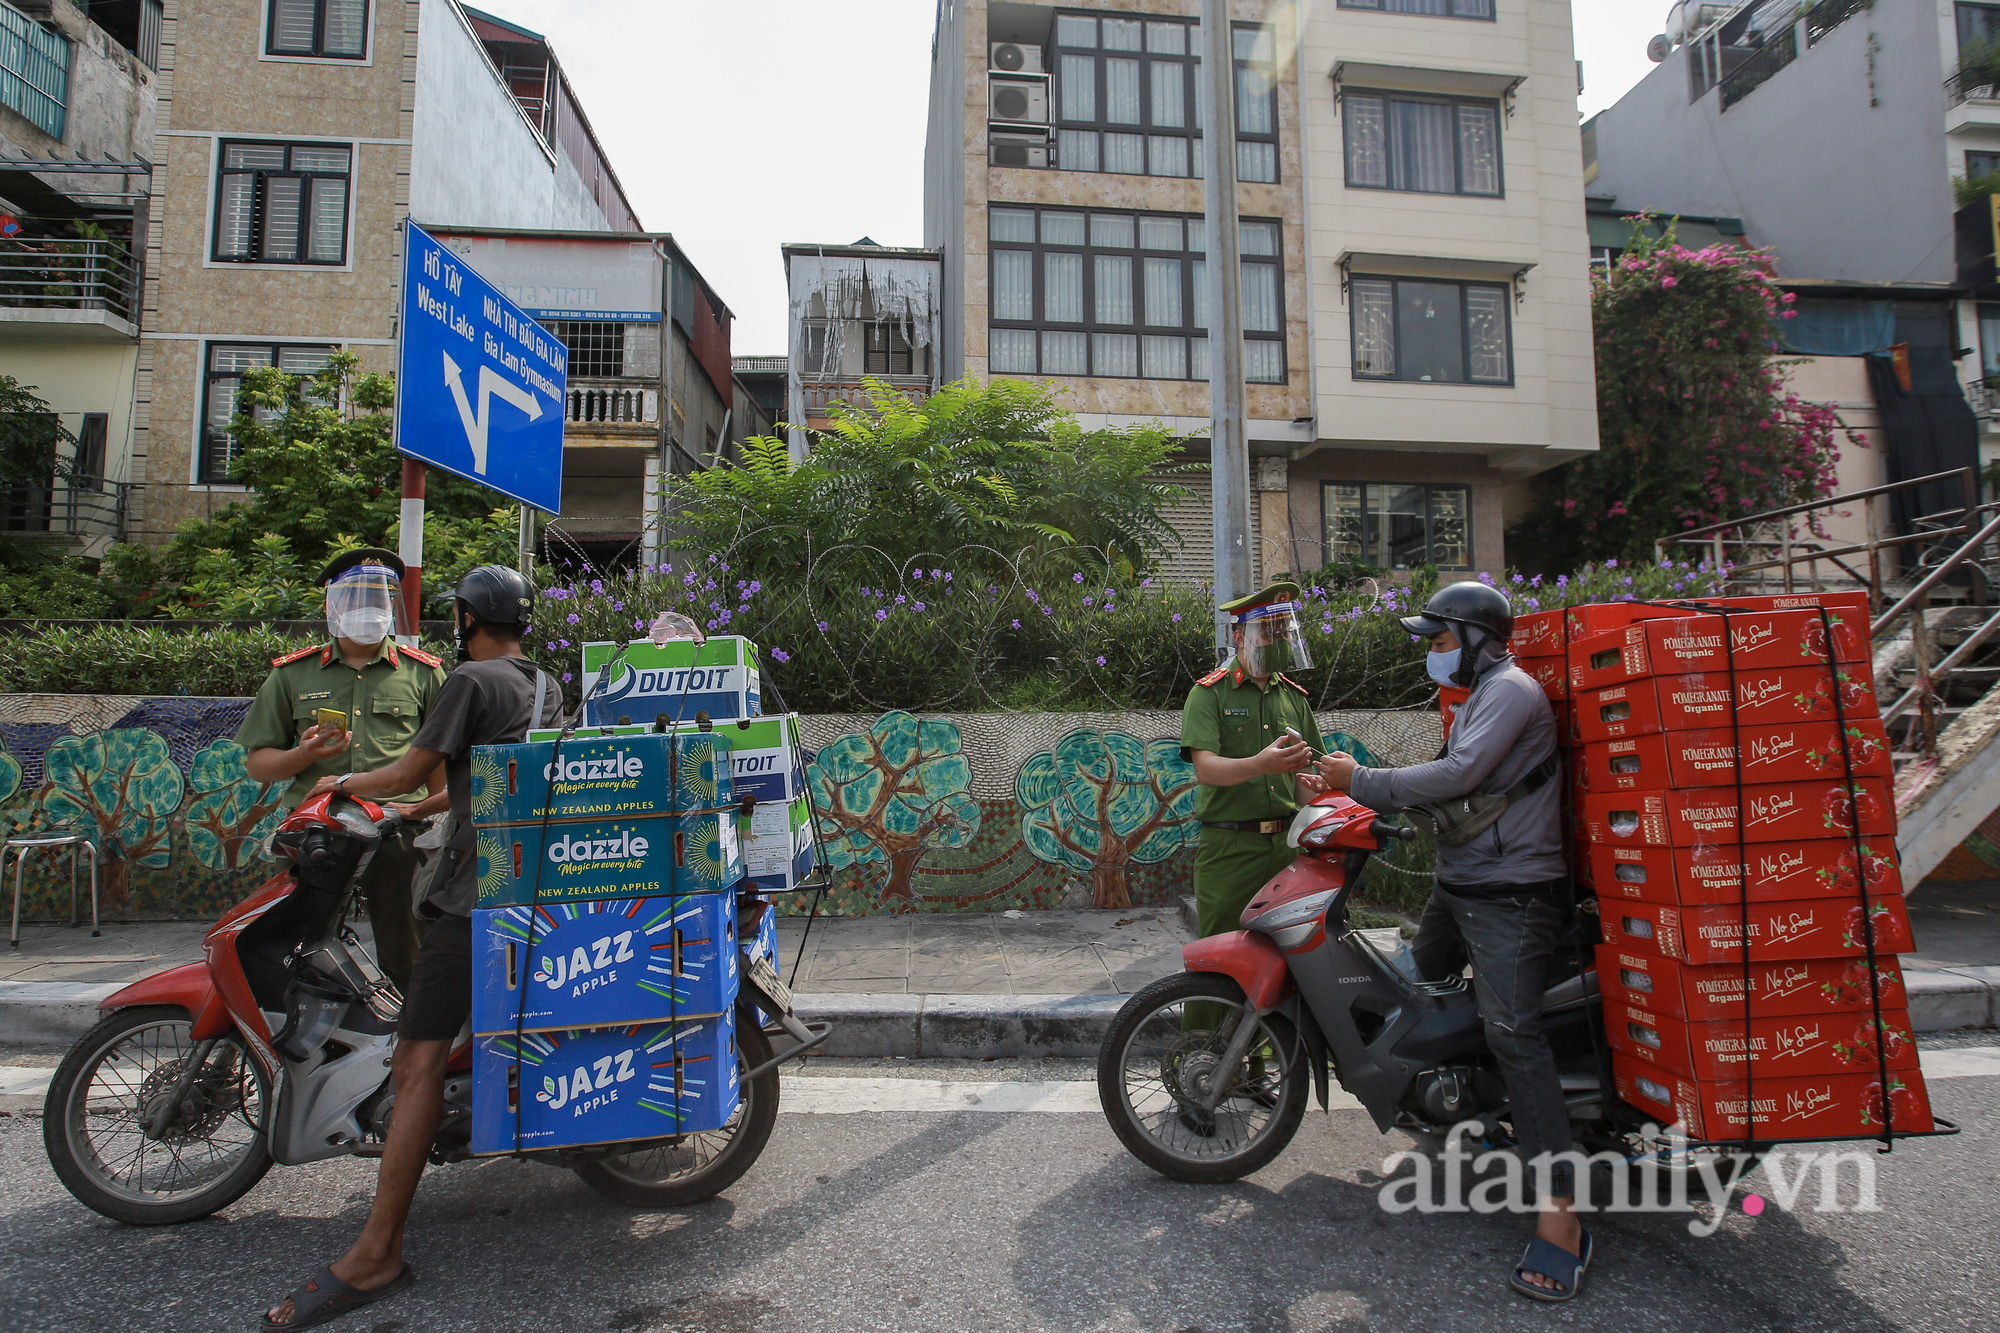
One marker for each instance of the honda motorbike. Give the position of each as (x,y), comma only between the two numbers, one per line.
(1204,1074)
(276,1047)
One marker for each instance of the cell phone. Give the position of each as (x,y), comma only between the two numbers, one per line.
(331,719)
(1293,732)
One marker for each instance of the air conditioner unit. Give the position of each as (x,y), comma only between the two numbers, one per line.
(1021,150)
(1015,58)
(1017,101)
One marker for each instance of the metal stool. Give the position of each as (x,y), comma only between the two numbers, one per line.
(20,847)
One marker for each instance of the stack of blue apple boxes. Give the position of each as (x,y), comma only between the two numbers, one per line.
(605,966)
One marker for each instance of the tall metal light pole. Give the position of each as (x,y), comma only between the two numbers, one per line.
(1228,437)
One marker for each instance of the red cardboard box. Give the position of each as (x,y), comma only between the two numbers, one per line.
(1598,617)
(1547,672)
(1449,699)
(1709,874)
(1628,709)
(1757,639)
(1763,697)
(1832,1106)
(1796,928)
(1779,1046)
(1537,634)
(1714,992)
(1793,753)
(1775,812)
(1632,763)
(1610,658)
(1839,605)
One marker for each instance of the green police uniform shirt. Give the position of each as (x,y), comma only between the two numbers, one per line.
(1228,715)
(385,701)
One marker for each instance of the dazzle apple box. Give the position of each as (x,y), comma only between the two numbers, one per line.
(531,864)
(599,777)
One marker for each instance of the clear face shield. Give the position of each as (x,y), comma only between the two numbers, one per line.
(1273,640)
(365,604)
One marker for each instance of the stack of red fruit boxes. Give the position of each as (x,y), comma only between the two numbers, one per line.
(1644,696)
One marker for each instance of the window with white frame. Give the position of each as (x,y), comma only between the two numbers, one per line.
(222,380)
(282,203)
(331,29)
(1453,9)
(1398,525)
(1125,96)
(1431,331)
(1422,144)
(1123,295)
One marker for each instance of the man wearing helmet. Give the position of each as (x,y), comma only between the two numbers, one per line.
(1499,899)
(494,697)
(383,692)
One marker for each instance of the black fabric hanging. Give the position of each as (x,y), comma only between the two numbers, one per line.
(1928,428)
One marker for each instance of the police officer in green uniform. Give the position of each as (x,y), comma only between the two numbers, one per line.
(383,693)
(1254,776)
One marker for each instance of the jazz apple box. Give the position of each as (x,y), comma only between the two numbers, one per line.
(606,961)
(1712,874)
(532,864)
(1714,992)
(600,778)
(1830,1106)
(1778,1046)
(1802,928)
(603,1085)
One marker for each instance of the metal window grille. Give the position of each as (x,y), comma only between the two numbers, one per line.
(280,203)
(596,347)
(1455,9)
(1431,332)
(1424,145)
(332,29)
(34,70)
(224,367)
(1397,525)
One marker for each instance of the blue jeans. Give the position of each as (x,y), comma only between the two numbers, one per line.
(1509,940)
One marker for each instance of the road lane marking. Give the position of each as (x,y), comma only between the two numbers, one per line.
(1961,1062)
(23,1081)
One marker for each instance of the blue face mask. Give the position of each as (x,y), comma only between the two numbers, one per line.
(1442,666)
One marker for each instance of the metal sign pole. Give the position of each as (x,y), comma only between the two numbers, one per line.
(1228,440)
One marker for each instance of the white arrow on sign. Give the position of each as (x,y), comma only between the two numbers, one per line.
(490,383)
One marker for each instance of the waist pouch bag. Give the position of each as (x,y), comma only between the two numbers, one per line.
(1459,820)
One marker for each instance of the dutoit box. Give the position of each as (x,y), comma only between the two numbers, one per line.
(602,777)
(1802,928)
(1714,992)
(1777,1046)
(778,844)
(1829,1106)
(529,864)
(720,677)
(603,962)
(1773,812)
(763,753)
(1712,873)
(1764,698)
(603,1085)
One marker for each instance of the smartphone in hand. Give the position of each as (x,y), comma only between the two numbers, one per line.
(330,720)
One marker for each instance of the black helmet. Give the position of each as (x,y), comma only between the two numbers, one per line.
(1467,603)
(497,595)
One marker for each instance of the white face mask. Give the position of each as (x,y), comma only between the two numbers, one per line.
(1442,665)
(367,625)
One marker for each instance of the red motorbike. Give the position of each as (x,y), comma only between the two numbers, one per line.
(1203,1075)
(275,1048)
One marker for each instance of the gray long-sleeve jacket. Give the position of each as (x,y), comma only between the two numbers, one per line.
(1503,732)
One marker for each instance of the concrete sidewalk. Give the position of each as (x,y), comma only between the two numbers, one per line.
(965,985)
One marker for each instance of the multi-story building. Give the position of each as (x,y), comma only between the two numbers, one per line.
(858,317)
(1838,133)
(1414,286)
(76,143)
(295,136)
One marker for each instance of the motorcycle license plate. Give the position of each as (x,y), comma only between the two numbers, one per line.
(766,978)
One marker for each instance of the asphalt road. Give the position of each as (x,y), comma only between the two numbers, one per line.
(931,1220)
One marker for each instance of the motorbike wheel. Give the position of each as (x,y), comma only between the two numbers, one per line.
(697,1167)
(1156,1055)
(206,1155)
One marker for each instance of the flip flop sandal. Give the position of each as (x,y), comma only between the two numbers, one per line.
(1551,1260)
(323,1296)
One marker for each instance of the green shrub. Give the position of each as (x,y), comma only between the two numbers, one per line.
(142,659)
(53,590)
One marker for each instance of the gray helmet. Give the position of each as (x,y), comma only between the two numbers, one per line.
(1461,604)
(497,595)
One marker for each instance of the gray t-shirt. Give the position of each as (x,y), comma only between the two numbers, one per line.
(482,703)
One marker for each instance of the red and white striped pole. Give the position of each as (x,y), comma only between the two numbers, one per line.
(410,546)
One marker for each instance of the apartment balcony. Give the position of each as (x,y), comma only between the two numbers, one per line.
(821,394)
(624,410)
(1985,402)
(77,512)
(84,291)
(1971,100)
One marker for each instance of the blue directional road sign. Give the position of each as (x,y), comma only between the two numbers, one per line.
(479,385)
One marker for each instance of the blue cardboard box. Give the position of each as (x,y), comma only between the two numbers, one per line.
(603,961)
(603,1085)
(760,940)
(646,857)
(602,777)
(764,752)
